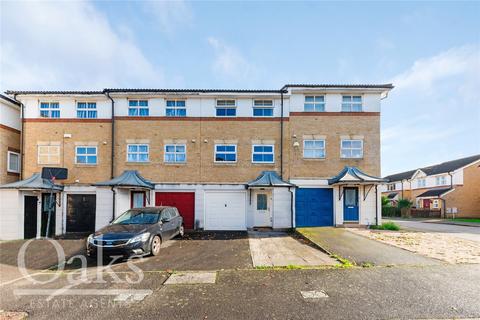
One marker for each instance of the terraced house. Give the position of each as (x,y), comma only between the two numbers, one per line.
(303,155)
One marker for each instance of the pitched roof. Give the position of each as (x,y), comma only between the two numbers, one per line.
(434,192)
(129,178)
(268,179)
(355,175)
(353,86)
(35,182)
(443,167)
(401,176)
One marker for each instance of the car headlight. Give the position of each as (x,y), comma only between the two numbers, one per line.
(90,239)
(141,237)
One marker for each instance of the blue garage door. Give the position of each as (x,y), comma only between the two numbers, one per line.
(314,207)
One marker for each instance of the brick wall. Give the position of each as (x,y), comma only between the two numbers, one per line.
(9,140)
(466,198)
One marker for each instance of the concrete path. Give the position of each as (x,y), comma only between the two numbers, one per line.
(278,249)
(464,232)
(362,250)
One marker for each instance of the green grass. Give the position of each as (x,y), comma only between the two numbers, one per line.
(389,225)
(466,220)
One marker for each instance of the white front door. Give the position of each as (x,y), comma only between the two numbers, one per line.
(263,209)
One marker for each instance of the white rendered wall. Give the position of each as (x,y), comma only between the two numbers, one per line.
(11,214)
(10,115)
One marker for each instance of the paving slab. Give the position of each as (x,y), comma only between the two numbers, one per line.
(278,249)
(191,278)
(362,250)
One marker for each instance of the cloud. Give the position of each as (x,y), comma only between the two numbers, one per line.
(229,62)
(68,45)
(425,73)
(170,15)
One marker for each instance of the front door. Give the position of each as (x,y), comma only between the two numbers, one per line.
(350,205)
(30,217)
(426,203)
(45,208)
(263,213)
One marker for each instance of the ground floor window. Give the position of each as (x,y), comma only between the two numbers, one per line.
(13,162)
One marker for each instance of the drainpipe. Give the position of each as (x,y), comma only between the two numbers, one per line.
(22,138)
(291,207)
(281,134)
(113,203)
(376,204)
(112,167)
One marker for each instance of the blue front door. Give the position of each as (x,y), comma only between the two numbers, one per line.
(350,204)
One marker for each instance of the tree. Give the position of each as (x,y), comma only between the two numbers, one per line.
(404,203)
(385,202)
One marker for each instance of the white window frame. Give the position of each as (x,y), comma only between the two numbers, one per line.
(315,96)
(138,152)
(351,103)
(261,105)
(324,148)
(49,154)
(87,109)
(441,180)
(341,148)
(421,183)
(86,155)
(226,152)
(138,107)
(234,106)
(391,187)
(175,145)
(9,155)
(264,145)
(49,109)
(175,107)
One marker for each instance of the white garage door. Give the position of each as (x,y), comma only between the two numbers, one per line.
(225,210)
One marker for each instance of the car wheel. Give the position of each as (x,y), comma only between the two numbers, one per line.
(181,231)
(155,246)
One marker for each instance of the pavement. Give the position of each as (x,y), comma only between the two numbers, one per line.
(361,250)
(279,249)
(429,292)
(459,231)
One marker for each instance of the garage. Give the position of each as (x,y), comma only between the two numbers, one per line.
(314,207)
(183,201)
(81,213)
(225,210)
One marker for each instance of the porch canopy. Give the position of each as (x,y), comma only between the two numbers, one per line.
(129,179)
(353,175)
(268,179)
(434,193)
(35,182)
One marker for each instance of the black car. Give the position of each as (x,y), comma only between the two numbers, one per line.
(138,231)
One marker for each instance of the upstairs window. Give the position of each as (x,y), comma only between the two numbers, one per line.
(87,110)
(421,183)
(314,149)
(137,153)
(176,108)
(351,103)
(175,153)
(225,153)
(86,155)
(49,110)
(391,187)
(262,154)
(226,108)
(314,104)
(263,108)
(48,154)
(138,108)
(351,149)
(13,161)
(442,180)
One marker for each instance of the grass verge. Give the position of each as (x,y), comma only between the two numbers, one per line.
(386,226)
(465,220)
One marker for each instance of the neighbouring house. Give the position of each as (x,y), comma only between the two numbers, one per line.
(10,128)
(302,155)
(452,188)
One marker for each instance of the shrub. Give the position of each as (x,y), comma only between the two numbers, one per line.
(389,225)
(388,211)
(385,202)
(404,203)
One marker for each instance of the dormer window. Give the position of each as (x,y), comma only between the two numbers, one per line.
(440,181)
(176,108)
(49,110)
(263,108)
(138,108)
(421,183)
(314,104)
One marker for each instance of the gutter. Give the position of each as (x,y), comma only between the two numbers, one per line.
(112,167)
(281,135)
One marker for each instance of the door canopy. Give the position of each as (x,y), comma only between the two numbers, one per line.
(268,179)
(35,182)
(128,179)
(353,175)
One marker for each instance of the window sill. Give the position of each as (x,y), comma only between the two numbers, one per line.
(137,163)
(175,163)
(264,163)
(314,159)
(13,173)
(79,165)
(341,158)
(225,163)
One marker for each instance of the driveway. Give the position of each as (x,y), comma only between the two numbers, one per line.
(464,232)
(279,249)
(361,250)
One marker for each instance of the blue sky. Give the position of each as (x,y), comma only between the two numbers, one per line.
(429,50)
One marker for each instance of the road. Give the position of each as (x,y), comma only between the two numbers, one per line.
(464,232)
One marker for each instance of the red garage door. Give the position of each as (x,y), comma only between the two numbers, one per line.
(183,201)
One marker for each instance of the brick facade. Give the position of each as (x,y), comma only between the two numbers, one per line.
(466,198)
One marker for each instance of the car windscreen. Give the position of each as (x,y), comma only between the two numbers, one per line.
(138,217)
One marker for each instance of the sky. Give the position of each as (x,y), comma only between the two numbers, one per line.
(429,50)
